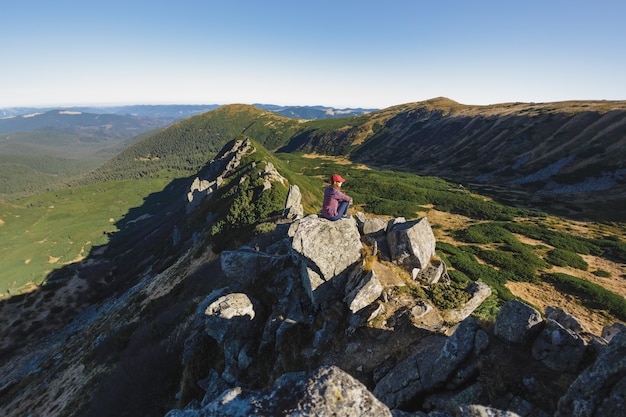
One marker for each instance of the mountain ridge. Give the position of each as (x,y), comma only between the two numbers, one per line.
(107,334)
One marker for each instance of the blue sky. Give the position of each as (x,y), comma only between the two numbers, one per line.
(339,53)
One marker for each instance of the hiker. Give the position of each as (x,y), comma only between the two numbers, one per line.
(336,203)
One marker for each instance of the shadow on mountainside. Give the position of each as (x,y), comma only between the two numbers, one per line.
(100,313)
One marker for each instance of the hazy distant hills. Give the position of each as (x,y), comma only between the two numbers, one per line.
(313,112)
(170,112)
(41,146)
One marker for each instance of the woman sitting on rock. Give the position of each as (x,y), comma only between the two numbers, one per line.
(336,203)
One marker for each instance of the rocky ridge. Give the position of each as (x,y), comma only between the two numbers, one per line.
(323,318)
(306,326)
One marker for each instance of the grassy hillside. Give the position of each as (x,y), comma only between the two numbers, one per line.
(186,146)
(44,232)
(44,160)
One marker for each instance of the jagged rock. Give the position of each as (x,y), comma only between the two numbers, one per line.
(244,265)
(517,322)
(362,290)
(328,391)
(213,385)
(482,411)
(600,390)
(269,175)
(325,250)
(373,226)
(451,401)
(431,273)
(564,319)
(428,368)
(293,205)
(558,348)
(229,319)
(411,244)
(200,189)
(226,313)
(479,292)
(609,332)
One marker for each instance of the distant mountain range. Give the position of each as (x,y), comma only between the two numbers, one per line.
(19,117)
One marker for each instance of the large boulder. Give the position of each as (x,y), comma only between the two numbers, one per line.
(222,313)
(229,318)
(293,205)
(328,391)
(429,368)
(325,251)
(245,265)
(600,390)
(362,290)
(560,349)
(411,244)
(517,322)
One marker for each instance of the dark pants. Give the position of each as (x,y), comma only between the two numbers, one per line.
(341,210)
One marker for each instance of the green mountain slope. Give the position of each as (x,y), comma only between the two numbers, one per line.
(186,146)
(559,157)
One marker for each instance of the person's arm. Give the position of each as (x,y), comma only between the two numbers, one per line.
(341,196)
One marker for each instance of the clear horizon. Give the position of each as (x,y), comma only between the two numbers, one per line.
(345,54)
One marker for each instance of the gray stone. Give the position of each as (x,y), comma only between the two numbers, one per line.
(293,205)
(609,332)
(362,290)
(432,272)
(475,410)
(517,322)
(374,225)
(558,348)
(325,250)
(411,244)
(328,391)
(429,368)
(479,292)
(226,313)
(243,266)
(564,319)
(599,390)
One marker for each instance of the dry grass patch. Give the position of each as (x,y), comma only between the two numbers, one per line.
(443,223)
(542,295)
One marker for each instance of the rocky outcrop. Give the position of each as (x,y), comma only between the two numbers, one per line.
(328,391)
(293,205)
(325,250)
(517,322)
(470,373)
(600,390)
(430,367)
(307,326)
(202,189)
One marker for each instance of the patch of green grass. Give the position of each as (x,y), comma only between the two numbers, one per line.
(562,257)
(446,296)
(592,295)
(43,232)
